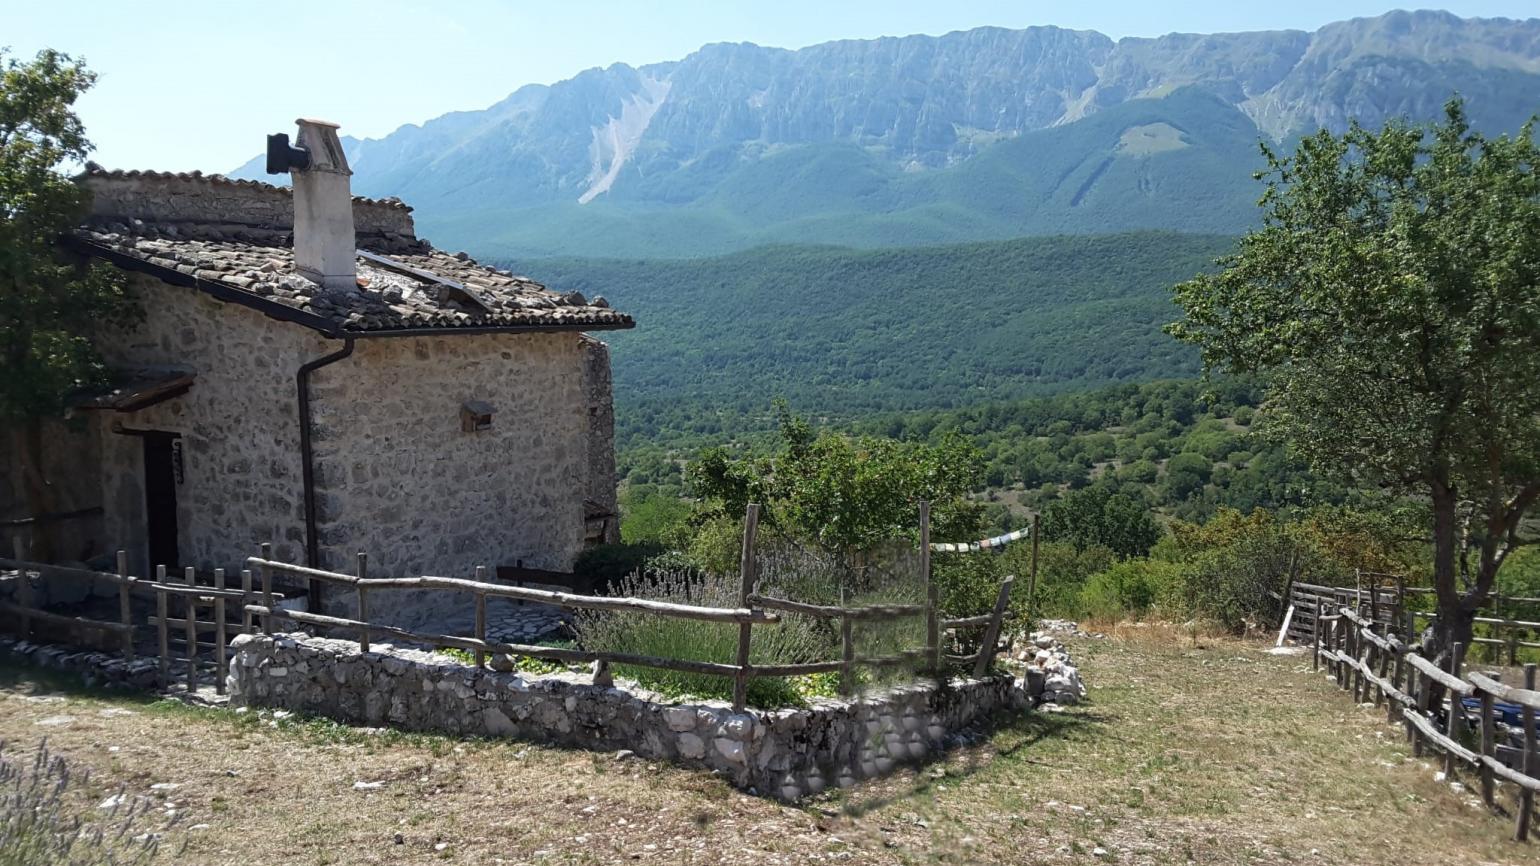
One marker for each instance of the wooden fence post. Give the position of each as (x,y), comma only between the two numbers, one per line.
(932,616)
(847,657)
(161,610)
(23,587)
(1456,716)
(1031,623)
(1355,641)
(746,589)
(245,600)
(221,662)
(481,616)
(1531,762)
(1423,701)
(992,632)
(362,572)
(933,630)
(1488,748)
(190,629)
(267,589)
(125,610)
(1315,657)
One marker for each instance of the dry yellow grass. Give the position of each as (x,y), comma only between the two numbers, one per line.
(1205,751)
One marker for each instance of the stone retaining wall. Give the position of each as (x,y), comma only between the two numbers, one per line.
(782,753)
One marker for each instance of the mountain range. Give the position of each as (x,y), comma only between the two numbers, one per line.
(974,135)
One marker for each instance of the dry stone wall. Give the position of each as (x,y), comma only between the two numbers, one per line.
(784,753)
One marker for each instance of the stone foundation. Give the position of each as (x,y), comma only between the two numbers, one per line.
(783,753)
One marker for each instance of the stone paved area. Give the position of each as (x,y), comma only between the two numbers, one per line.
(510,621)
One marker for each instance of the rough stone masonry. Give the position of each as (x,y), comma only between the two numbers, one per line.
(785,753)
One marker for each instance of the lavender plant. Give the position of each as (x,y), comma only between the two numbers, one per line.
(44,822)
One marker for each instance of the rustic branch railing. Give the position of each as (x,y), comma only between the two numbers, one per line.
(164,589)
(754,610)
(193,617)
(1367,657)
(1389,604)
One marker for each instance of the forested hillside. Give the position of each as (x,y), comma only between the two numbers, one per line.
(838,331)
(1179,446)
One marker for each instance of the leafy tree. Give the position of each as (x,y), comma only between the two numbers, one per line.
(1393,298)
(1095,517)
(845,493)
(48,307)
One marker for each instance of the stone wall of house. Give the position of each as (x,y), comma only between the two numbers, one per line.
(212,200)
(599,389)
(783,753)
(238,423)
(398,477)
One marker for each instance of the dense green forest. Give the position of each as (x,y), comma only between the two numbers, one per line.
(843,332)
(1181,447)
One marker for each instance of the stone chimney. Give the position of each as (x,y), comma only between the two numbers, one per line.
(324,244)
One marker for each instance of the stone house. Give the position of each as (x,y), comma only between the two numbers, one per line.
(310,373)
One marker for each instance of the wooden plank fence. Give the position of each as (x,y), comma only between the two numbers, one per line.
(1376,660)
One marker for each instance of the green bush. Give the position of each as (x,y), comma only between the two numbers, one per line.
(1233,586)
(654,518)
(794,640)
(1128,588)
(607,563)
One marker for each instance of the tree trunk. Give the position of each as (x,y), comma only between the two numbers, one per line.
(27,447)
(1455,620)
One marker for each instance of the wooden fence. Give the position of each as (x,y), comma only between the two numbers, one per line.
(1386,598)
(1376,660)
(191,617)
(753,610)
(168,594)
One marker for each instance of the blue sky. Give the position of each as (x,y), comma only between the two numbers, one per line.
(188,85)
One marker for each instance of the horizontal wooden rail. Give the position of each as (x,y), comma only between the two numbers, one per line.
(975,621)
(61,619)
(1442,677)
(1432,733)
(203,593)
(553,598)
(1388,644)
(581,602)
(1508,774)
(46,570)
(299,570)
(1522,697)
(471,644)
(861,612)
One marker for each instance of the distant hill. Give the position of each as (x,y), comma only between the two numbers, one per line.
(986,133)
(848,331)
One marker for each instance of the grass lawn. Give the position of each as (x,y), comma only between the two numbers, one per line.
(1215,753)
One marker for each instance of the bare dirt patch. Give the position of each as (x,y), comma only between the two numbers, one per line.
(1211,752)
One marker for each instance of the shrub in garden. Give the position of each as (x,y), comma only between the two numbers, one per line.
(794,640)
(46,818)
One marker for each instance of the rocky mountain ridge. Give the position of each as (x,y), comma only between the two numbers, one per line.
(623,141)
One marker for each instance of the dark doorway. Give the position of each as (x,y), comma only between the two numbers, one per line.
(161,451)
